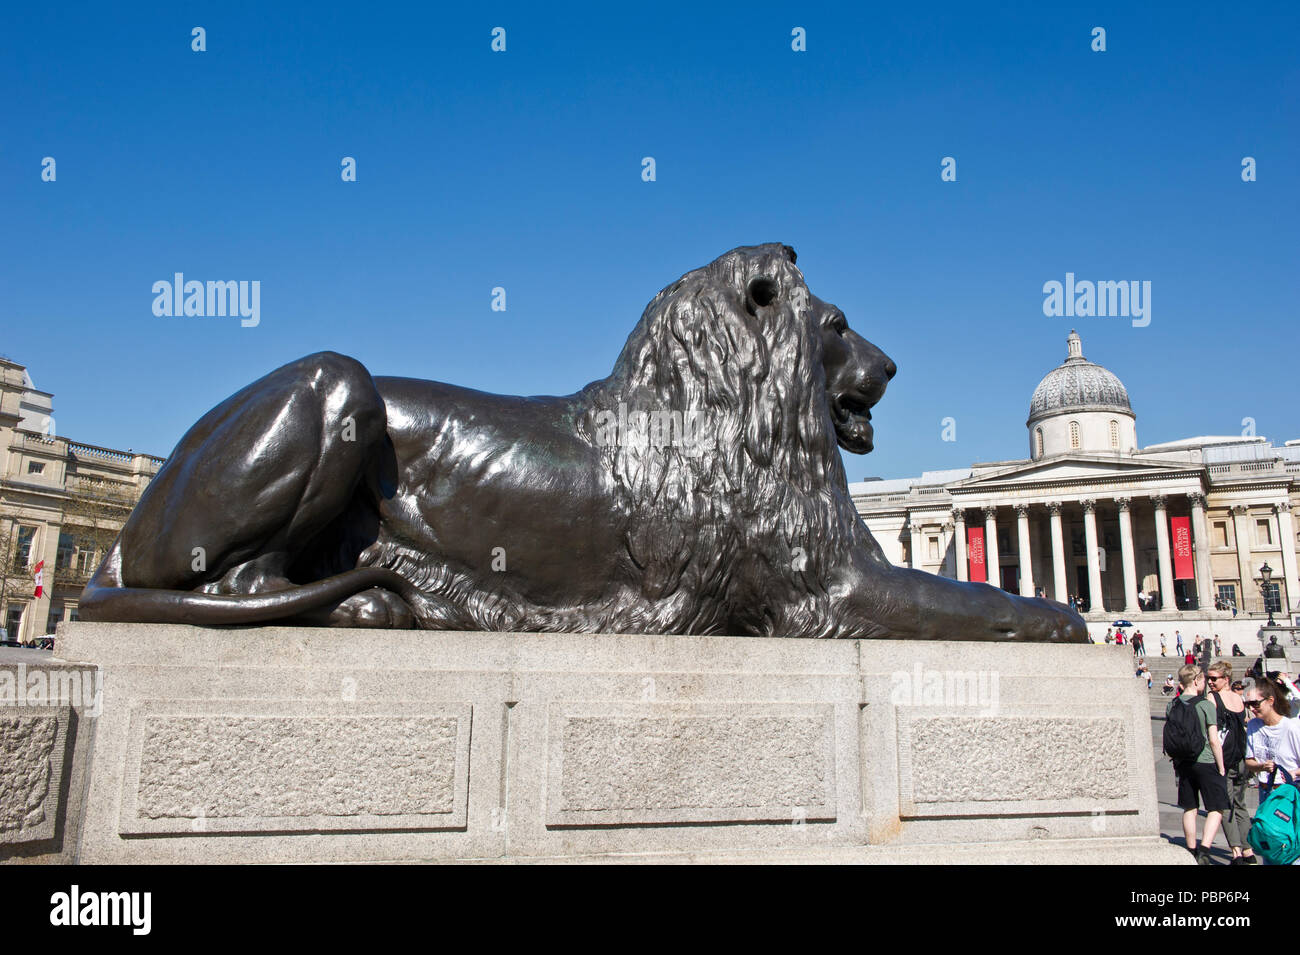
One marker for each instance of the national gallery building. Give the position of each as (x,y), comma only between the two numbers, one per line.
(1181,531)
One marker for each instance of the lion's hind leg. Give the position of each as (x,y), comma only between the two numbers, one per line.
(247,490)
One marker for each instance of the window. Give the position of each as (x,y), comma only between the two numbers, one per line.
(73,615)
(1074,434)
(1038,434)
(1228,594)
(35,467)
(23,552)
(1220,533)
(86,557)
(934,548)
(14,620)
(56,614)
(1114,434)
(63,556)
(1263,531)
(1272,597)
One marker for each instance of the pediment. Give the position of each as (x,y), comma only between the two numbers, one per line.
(1069,468)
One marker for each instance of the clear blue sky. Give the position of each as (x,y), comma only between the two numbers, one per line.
(522,170)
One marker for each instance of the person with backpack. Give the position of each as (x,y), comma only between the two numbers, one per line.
(1191,741)
(1272,736)
(1229,711)
(1273,747)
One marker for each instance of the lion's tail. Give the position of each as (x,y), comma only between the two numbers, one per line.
(111,604)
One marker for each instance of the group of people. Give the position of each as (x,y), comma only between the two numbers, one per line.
(1221,604)
(1202,648)
(1249,735)
(1119,638)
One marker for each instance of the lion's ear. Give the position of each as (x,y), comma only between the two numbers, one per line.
(760,293)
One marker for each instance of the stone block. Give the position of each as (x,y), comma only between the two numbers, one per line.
(317,745)
(231,767)
(648,763)
(47,710)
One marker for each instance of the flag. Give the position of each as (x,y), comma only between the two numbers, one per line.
(40,580)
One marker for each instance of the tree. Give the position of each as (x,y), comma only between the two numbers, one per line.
(93,514)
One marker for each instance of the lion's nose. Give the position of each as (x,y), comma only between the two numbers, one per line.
(890,369)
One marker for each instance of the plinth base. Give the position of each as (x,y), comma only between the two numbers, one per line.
(314,745)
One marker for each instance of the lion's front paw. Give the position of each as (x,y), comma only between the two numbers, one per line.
(1046,621)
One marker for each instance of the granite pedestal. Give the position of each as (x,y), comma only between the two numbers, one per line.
(316,745)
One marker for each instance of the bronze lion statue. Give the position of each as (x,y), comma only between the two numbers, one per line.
(696,490)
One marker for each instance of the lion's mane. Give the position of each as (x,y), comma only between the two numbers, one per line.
(769,490)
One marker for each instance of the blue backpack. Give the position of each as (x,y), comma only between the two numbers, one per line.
(1275,831)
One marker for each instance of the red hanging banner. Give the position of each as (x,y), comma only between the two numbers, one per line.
(975,551)
(1181,543)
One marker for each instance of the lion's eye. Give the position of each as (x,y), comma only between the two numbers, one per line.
(840,326)
(763,291)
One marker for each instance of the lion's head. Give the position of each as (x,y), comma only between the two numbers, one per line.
(776,380)
(856,375)
(744,331)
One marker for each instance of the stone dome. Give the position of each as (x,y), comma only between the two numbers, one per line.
(1078,385)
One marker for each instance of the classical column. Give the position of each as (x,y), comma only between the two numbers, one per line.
(1286,531)
(991,546)
(1126,553)
(959,534)
(1026,566)
(1058,553)
(1096,602)
(1201,552)
(1241,534)
(1167,600)
(915,550)
(945,530)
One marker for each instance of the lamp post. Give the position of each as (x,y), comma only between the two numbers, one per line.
(1265,577)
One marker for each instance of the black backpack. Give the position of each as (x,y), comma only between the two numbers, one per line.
(1232,730)
(1183,739)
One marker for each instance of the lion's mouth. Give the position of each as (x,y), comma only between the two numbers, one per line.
(852,415)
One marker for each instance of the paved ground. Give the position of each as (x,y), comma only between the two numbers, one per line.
(24,655)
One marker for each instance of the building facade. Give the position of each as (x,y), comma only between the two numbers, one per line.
(1187,529)
(61,501)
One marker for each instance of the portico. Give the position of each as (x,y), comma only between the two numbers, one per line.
(1085,546)
(1179,529)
